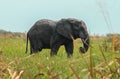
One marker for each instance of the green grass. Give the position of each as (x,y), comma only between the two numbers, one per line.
(42,66)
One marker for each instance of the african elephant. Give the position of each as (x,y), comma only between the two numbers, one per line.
(52,34)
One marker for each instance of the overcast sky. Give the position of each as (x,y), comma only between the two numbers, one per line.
(100,16)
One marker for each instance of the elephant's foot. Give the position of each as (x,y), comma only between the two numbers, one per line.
(52,54)
(69,55)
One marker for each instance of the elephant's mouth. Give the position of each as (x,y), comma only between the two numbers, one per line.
(85,47)
(76,36)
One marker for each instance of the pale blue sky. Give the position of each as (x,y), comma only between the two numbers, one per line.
(20,15)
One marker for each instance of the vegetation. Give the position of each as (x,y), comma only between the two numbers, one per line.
(95,64)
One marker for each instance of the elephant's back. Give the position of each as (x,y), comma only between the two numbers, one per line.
(45,22)
(42,26)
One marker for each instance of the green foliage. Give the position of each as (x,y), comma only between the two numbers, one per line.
(42,66)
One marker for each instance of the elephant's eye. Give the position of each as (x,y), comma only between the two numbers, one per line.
(81,28)
(76,26)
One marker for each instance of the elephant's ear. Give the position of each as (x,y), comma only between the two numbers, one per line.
(64,29)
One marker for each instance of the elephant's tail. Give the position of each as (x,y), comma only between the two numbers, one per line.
(26,45)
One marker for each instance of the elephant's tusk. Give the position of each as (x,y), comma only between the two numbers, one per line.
(71,37)
(84,41)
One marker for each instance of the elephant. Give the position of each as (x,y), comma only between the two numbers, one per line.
(49,34)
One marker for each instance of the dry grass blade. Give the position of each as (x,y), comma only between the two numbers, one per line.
(2,73)
(3,69)
(91,64)
(102,53)
(109,64)
(0,50)
(108,76)
(74,72)
(38,75)
(53,75)
(104,58)
(99,70)
(118,60)
(15,74)
(118,71)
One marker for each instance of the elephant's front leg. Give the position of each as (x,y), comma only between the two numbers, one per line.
(69,48)
(55,44)
(54,49)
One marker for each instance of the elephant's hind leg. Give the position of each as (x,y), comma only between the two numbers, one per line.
(40,46)
(35,47)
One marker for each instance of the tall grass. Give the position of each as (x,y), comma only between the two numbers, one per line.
(95,64)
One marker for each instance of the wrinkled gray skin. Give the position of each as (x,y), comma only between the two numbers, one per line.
(51,34)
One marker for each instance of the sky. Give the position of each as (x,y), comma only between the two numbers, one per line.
(100,16)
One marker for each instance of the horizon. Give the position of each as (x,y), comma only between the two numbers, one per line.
(100,16)
(5,31)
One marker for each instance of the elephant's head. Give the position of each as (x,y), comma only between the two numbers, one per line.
(72,29)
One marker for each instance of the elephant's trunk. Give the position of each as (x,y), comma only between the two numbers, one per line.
(86,42)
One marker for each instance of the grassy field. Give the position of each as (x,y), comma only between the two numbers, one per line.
(95,64)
